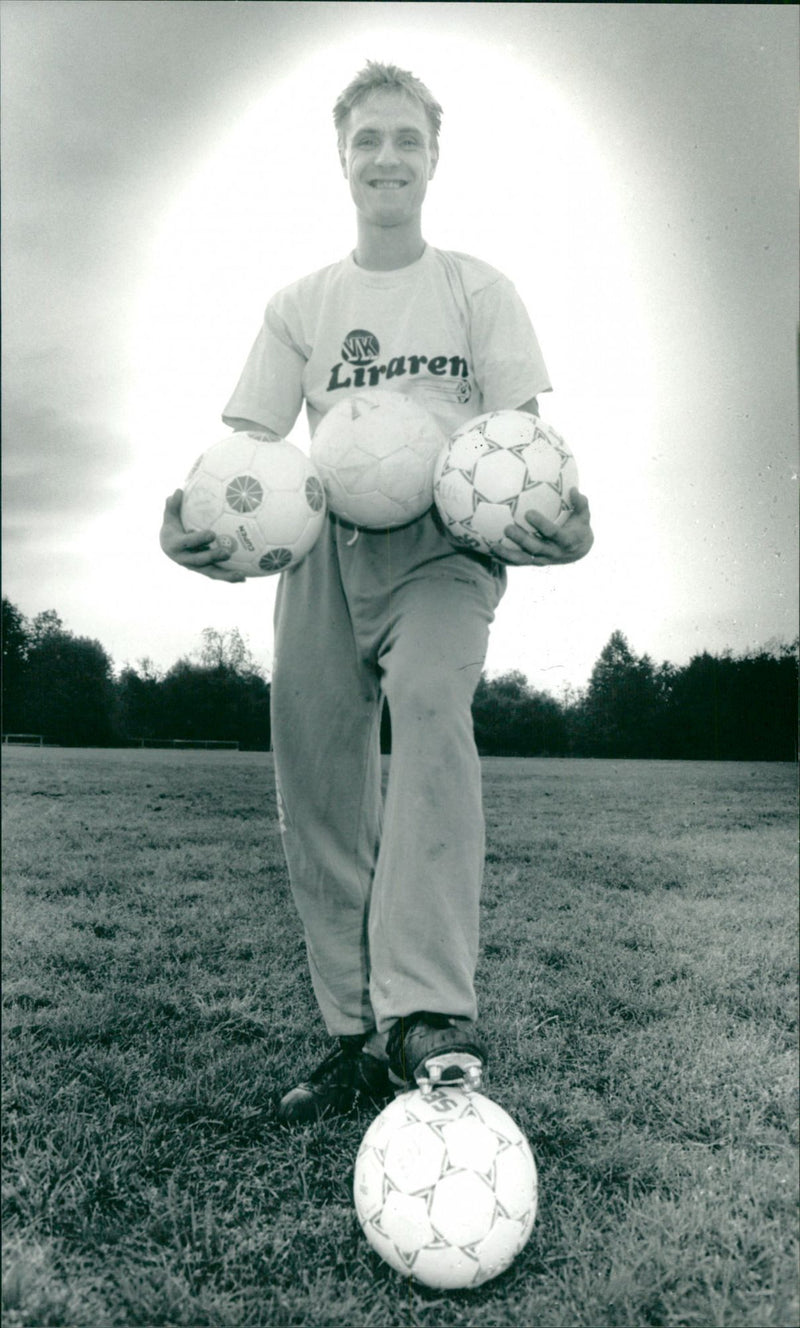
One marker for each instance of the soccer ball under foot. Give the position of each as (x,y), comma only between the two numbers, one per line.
(445,1187)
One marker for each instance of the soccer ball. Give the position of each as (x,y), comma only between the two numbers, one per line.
(263,499)
(376,451)
(445,1187)
(496,468)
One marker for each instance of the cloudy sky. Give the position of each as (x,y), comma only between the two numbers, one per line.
(632,168)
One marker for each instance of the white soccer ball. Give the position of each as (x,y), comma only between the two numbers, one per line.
(445,1187)
(263,499)
(496,468)
(376,451)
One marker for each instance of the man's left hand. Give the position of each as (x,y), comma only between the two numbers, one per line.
(543,544)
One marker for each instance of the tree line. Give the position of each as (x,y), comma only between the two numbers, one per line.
(716,707)
(64,687)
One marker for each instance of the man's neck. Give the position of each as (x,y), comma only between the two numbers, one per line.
(384,248)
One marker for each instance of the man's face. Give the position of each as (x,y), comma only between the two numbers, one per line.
(387,157)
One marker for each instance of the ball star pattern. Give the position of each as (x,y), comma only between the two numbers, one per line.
(495,469)
(446,1188)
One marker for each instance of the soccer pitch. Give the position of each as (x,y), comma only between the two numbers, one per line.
(638,989)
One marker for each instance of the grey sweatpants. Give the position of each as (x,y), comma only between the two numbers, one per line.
(388,894)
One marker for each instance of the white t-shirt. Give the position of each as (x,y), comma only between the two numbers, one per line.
(449,330)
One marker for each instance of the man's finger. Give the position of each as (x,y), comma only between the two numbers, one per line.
(201,556)
(217,573)
(547,529)
(528,543)
(200,539)
(580,504)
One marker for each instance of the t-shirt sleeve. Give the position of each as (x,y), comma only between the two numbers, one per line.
(270,388)
(509,365)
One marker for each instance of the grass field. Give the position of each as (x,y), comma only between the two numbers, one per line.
(638,985)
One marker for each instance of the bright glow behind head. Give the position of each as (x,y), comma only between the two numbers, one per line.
(520,183)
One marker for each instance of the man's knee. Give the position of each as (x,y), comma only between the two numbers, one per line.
(430,695)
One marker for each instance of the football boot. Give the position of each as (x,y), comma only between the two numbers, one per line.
(347,1078)
(429,1049)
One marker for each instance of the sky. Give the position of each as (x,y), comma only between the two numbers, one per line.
(166,166)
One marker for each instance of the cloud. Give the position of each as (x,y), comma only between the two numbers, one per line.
(57,469)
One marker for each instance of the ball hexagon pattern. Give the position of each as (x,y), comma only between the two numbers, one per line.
(263,499)
(445,1187)
(496,468)
(376,451)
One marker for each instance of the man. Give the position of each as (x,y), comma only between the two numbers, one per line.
(388,894)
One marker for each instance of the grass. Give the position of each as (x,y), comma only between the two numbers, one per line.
(638,983)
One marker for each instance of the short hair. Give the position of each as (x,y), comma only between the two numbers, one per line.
(375,77)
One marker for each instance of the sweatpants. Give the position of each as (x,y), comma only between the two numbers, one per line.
(387,892)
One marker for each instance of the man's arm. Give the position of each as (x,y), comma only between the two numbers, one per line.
(541,543)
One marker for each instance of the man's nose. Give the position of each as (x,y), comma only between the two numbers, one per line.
(386,154)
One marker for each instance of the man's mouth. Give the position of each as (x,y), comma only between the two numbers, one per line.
(387,184)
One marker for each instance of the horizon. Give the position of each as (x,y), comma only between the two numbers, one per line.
(773,648)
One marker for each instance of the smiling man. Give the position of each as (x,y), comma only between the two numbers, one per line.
(388,149)
(388,893)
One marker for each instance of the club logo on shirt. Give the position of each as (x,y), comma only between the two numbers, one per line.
(360,347)
(357,367)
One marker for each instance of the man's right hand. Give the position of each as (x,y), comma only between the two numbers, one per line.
(192,549)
